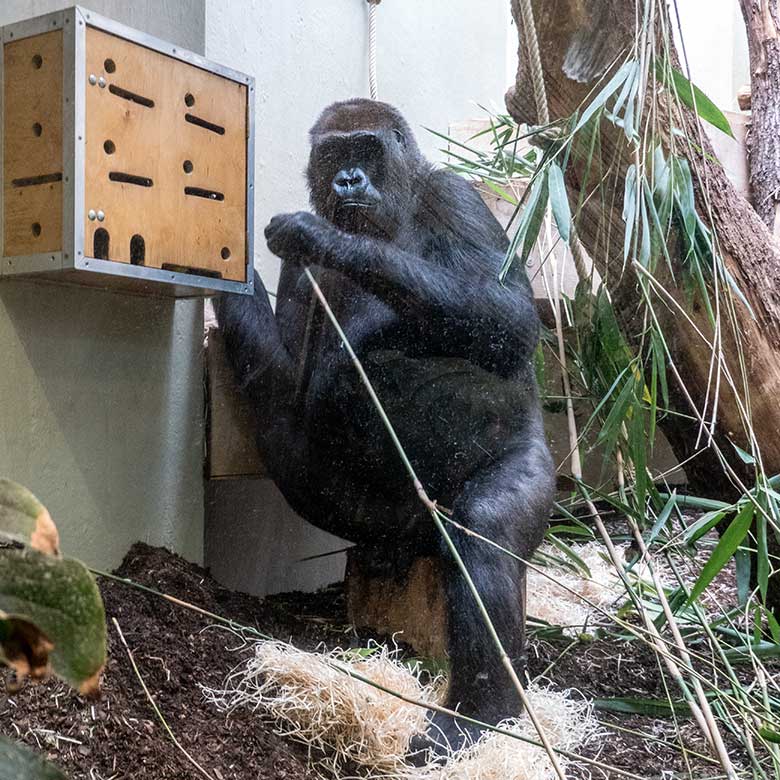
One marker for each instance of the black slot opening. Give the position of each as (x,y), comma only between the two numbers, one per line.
(100,244)
(186,269)
(199,192)
(131,96)
(137,250)
(130,178)
(204,123)
(29,181)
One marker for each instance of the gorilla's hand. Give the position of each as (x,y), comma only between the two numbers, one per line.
(301,237)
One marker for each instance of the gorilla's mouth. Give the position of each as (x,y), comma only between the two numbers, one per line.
(355,204)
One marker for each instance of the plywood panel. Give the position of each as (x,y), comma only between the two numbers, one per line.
(232,449)
(32,144)
(155,142)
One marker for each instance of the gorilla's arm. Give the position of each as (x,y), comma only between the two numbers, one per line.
(451,280)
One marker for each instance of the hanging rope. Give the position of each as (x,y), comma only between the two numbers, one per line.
(535,61)
(372,85)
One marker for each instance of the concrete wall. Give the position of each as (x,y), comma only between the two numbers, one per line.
(436,60)
(101,401)
(716,44)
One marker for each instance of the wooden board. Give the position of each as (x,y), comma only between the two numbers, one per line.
(32,144)
(156,143)
(232,451)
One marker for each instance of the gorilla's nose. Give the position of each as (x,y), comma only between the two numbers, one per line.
(350,183)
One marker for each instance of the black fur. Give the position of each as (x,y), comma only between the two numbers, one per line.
(409,258)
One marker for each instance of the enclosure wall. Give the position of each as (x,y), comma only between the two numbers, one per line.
(435,60)
(101,399)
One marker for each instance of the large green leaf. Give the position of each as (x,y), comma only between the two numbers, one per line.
(25,519)
(51,600)
(19,763)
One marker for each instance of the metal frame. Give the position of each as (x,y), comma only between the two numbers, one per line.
(71,265)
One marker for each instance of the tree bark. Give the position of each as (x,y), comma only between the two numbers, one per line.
(762,22)
(579,41)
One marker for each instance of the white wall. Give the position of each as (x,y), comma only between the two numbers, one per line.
(716,44)
(436,60)
(101,399)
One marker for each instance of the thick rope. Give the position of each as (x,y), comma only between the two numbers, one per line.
(373,89)
(535,62)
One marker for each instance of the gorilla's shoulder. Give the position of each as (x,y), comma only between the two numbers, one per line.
(451,202)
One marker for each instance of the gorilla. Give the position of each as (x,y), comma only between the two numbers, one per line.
(409,258)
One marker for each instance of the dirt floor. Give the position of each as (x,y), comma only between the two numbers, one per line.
(177,650)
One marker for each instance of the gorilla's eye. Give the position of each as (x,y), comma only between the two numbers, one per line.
(399,136)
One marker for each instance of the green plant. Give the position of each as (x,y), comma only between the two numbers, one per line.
(51,613)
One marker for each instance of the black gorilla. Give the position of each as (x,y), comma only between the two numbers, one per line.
(409,258)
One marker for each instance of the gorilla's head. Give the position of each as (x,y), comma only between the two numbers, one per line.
(364,167)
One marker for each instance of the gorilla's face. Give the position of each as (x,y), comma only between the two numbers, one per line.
(361,170)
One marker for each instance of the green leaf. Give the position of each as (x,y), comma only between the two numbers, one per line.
(704,524)
(762,556)
(25,519)
(703,106)
(626,70)
(663,518)
(59,598)
(746,457)
(744,566)
(18,762)
(629,210)
(638,706)
(729,541)
(769,734)
(559,201)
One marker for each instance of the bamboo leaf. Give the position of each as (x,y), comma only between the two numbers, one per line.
(769,734)
(638,706)
(704,524)
(695,99)
(600,100)
(629,210)
(663,518)
(729,541)
(745,456)
(559,201)
(744,567)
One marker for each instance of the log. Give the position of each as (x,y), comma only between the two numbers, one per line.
(578,40)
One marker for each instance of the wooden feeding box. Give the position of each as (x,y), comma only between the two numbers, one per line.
(126,161)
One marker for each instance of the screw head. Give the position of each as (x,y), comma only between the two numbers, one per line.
(92,215)
(101,82)
(100,216)
(92,79)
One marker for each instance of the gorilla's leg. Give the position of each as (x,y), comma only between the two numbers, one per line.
(508,503)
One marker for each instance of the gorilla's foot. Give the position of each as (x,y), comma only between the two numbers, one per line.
(445,735)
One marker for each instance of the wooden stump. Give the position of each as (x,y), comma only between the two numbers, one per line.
(411,607)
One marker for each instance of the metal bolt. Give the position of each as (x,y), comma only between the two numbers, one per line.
(101,82)
(92,215)
(101,216)
(92,79)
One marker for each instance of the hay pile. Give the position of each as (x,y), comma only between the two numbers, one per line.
(554,604)
(346,722)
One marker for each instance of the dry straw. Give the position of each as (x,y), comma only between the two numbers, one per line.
(553,600)
(348,724)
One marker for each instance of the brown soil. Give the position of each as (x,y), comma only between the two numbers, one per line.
(177,650)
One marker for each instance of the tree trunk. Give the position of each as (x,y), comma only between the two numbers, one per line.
(579,40)
(762,21)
